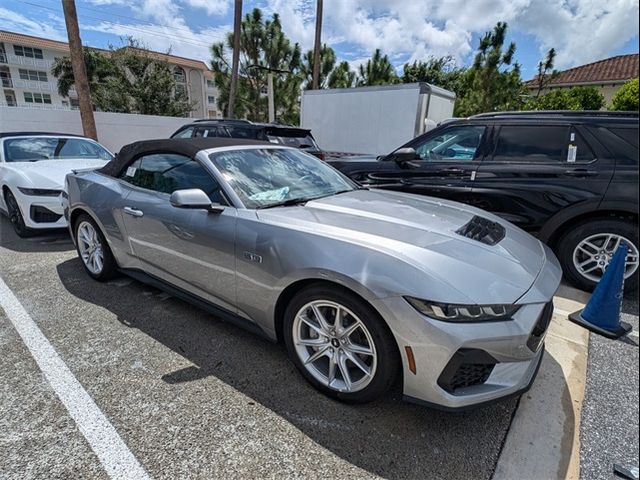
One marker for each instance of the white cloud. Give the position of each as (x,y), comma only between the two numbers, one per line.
(212,7)
(53,28)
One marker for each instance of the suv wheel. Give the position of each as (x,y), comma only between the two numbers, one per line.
(340,344)
(586,250)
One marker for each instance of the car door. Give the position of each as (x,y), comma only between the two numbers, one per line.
(536,170)
(190,249)
(446,162)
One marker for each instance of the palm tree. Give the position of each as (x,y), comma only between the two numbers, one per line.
(316,46)
(377,71)
(237,18)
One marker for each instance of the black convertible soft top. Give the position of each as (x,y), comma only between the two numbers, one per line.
(182,146)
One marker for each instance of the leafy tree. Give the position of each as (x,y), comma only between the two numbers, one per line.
(129,79)
(342,76)
(377,71)
(263,47)
(575,98)
(490,85)
(546,72)
(327,64)
(627,97)
(441,72)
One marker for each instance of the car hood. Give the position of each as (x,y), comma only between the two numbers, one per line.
(421,231)
(50,173)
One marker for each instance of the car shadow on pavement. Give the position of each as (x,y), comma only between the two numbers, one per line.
(57,240)
(388,437)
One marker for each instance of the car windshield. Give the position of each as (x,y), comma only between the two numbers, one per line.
(34,149)
(268,177)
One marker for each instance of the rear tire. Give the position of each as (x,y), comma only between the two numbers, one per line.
(335,356)
(595,241)
(93,249)
(15,216)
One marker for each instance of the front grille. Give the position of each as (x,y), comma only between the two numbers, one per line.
(482,230)
(537,334)
(40,214)
(467,367)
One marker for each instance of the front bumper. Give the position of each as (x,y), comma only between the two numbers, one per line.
(41,211)
(462,365)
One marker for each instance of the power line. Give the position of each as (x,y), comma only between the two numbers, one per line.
(134,28)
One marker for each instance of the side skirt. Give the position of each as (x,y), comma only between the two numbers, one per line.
(219,312)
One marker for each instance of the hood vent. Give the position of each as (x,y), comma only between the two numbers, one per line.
(482,230)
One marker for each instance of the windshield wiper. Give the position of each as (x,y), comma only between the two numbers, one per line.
(289,203)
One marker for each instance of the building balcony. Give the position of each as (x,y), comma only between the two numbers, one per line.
(7,83)
(35,85)
(26,61)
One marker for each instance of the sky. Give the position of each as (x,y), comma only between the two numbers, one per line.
(581,31)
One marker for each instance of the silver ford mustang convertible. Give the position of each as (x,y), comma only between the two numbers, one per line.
(364,287)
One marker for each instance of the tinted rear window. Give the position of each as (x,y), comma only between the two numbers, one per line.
(628,134)
(522,143)
(305,141)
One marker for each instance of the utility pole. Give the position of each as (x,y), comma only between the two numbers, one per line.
(79,70)
(237,20)
(270,95)
(317,46)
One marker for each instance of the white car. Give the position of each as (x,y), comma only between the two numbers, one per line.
(33,167)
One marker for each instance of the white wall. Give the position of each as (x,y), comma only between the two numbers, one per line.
(114,129)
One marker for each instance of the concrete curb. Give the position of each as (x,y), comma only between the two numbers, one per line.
(544,439)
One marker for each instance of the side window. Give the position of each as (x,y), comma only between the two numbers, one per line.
(452,144)
(533,144)
(168,172)
(185,133)
(239,132)
(628,134)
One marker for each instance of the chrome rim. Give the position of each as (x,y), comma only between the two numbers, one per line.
(334,346)
(593,254)
(90,248)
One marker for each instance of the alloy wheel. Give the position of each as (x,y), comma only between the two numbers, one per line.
(593,254)
(90,247)
(334,346)
(15,215)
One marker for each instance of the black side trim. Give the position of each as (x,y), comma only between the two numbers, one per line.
(220,312)
(474,406)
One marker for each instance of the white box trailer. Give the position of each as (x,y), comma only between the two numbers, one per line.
(373,120)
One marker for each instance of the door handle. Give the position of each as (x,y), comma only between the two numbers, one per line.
(133,211)
(454,170)
(580,173)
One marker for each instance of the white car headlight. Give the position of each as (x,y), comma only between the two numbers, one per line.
(463,313)
(40,192)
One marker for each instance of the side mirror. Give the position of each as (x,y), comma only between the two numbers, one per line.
(194,198)
(406,154)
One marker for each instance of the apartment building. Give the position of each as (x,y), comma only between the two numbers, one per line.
(25,75)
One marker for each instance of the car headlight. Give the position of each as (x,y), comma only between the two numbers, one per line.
(448,312)
(40,192)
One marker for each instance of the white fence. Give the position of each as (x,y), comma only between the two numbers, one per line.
(114,129)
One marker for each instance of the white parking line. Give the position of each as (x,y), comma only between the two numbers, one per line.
(113,453)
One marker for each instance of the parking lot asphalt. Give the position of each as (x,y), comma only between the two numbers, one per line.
(609,432)
(192,396)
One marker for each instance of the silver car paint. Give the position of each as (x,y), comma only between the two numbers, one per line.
(381,245)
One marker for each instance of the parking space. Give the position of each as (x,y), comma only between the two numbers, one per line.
(192,396)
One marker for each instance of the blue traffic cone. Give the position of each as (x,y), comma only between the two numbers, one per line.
(602,312)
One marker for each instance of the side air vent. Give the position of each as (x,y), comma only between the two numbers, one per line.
(482,230)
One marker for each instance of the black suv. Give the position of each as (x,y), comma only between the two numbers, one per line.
(275,133)
(571,178)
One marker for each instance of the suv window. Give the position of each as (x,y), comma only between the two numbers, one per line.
(240,132)
(531,143)
(584,154)
(452,144)
(168,172)
(211,132)
(185,133)
(628,134)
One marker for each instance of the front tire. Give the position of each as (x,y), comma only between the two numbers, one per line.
(585,251)
(15,216)
(93,249)
(340,344)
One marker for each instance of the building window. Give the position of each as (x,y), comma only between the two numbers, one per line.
(211,99)
(30,97)
(210,84)
(21,51)
(75,103)
(33,75)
